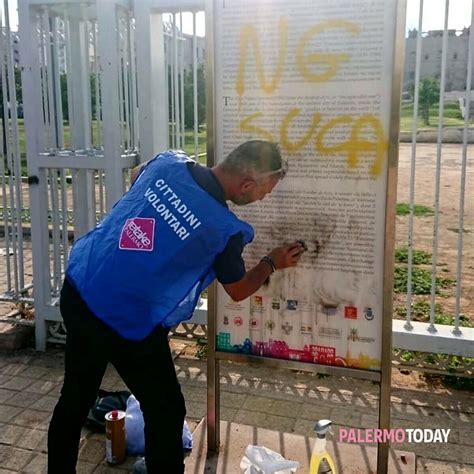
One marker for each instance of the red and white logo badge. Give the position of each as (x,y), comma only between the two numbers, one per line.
(238,321)
(350,312)
(138,234)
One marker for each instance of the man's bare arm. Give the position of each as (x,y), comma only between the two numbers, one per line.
(282,257)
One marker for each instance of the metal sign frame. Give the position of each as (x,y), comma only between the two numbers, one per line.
(382,376)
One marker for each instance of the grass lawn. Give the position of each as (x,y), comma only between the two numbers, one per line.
(189,144)
(452,117)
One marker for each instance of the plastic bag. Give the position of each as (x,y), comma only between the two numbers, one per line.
(187,437)
(261,460)
(106,401)
(135,429)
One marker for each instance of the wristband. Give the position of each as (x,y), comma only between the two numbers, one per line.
(270,262)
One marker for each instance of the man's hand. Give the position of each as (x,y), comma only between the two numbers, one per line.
(287,255)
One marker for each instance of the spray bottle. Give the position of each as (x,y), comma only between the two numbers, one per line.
(321,460)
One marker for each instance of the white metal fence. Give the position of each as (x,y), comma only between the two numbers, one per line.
(15,284)
(428,336)
(103,88)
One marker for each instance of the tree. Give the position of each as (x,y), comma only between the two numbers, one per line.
(65,99)
(428,95)
(18,94)
(188,97)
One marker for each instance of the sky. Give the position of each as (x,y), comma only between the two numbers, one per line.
(434,13)
(433,17)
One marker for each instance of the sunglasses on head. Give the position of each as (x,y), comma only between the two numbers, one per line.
(281,171)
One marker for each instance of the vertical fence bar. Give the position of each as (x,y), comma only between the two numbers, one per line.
(132,84)
(55,231)
(467,111)
(169,85)
(6,151)
(64,214)
(98,143)
(171,76)
(176,83)
(81,139)
(101,195)
(17,227)
(133,60)
(57,84)
(408,325)
(88,47)
(3,142)
(122,108)
(108,48)
(45,73)
(151,33)
(68,54)
(181,73)
(444,53)
(173,85)
(5,221)
(11,231)
(126,85)
(195,91)
(50,86)
(61,175)
(30,49)
(15,175)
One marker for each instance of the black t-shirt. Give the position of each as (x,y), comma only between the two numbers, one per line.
(228,265)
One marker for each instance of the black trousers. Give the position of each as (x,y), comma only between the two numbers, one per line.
(145,366)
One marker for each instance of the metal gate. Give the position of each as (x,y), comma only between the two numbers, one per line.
(452,66)
(15,251)
(95,82)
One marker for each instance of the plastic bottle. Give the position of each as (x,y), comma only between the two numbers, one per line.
(115,447)
(139,467)
(321,460)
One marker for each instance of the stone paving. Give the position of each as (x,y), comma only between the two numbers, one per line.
(288,401)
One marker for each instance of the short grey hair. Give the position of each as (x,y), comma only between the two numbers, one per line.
(254,157)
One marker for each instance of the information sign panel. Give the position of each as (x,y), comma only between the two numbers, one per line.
(317,77)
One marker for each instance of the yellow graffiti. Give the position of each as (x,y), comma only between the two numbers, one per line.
(354,146)
(248,37)
(380,146)
(245,126)
(284,141)
(325,129)
(360,128)
(332,60)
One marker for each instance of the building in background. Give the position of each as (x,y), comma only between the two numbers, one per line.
(185,50)
(430,65)
(431,56)
(188,51)
(15,43)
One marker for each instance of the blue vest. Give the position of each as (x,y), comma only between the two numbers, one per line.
(147,262)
